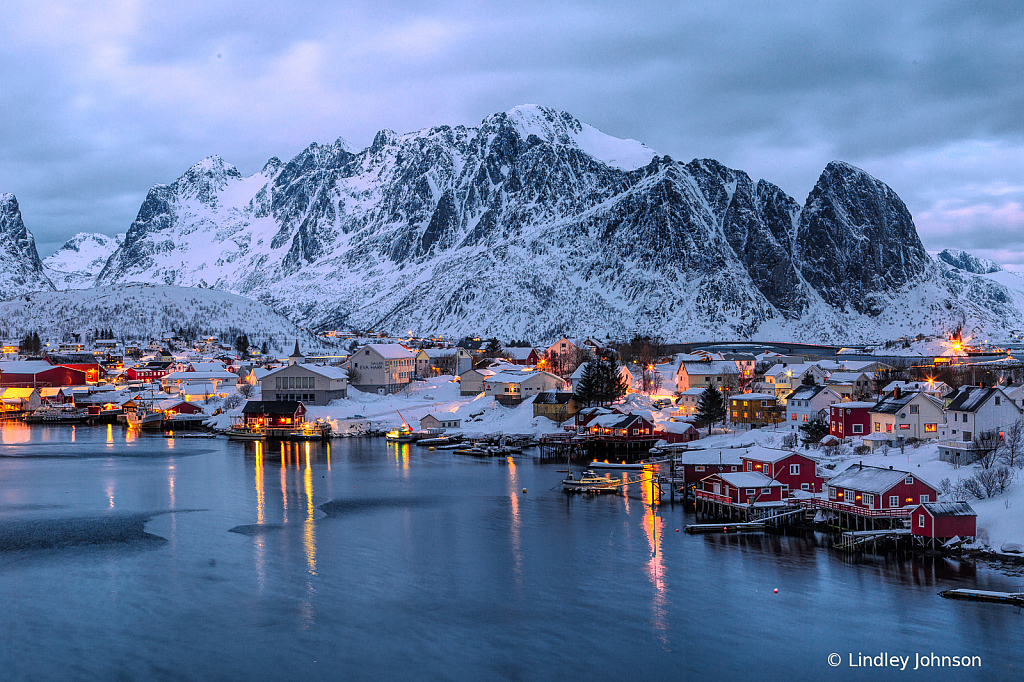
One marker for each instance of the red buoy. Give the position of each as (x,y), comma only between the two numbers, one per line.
(776,590)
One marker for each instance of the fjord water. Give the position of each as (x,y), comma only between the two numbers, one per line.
(127,557)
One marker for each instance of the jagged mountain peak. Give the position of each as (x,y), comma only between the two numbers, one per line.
(20,267)
(968,262)
(77,262)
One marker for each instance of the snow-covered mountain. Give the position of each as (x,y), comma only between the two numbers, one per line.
(534,224)
(968,262)
(77,262)
(140,311)
(20,267)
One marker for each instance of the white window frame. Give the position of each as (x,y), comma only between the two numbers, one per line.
(909,480)
(894,501)
(925,499)
(794,469)
(920,521)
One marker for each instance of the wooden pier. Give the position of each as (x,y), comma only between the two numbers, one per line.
(1012,598)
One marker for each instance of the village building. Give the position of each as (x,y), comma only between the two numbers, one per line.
(382,368)
(902,416)
(939,389)
(939,522)
(512,388)
(436,361)
(807,403)
(974,415)
(173,406)
(782,379)
(86,362)
(686,403)
(851,385)
(696,465)
(745,363)
(311,384)
(149,372)
(444,421)
(874,488)
(198,390)
(620,426)
(850,420)
(676,432)
(741,488)
(561,348)
(754,410)
(588,414)
(555,405)
(722,374)
(19,400)
(793,470)
(39,374)
(223,382)
(273,413)
(529,357)
(471,382)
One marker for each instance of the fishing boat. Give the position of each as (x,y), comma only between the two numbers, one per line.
(589,482)
(401,434)
(635,466)
(243,433)
(145,417)
(60,416)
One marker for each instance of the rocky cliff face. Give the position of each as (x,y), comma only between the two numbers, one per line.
(534,224)
(21,270)
(968,262)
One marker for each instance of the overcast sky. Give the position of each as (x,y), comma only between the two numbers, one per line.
(98,104)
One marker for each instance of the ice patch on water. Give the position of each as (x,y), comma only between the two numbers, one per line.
(255,529)
(46,534)
(341,507)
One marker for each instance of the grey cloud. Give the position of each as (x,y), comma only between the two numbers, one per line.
(95,114)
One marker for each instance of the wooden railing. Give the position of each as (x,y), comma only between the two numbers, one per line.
(899,512)
(705,495)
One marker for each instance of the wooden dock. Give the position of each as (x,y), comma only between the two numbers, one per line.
(724,527)
(1012,598)
(854,540)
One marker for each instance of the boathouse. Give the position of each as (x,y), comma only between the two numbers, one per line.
(85,362)
(793,470)
(273,413)
(942,521)
(876,492)
(443,422)
(696,465)
(742,487)
(39,374)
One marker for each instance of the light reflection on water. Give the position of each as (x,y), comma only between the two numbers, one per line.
(438,567)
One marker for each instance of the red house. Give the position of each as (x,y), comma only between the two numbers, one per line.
(38,374)
(677,432)
(86,362)
(849,420)
(274,413)
(178,406)
(743,487)
(620,425)
(588,414)
(943,520)
(523,356)
(874,489)
(696,465)
(793,470)
(148,373)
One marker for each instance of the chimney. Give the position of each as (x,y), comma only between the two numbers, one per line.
(896,393)
(890,467)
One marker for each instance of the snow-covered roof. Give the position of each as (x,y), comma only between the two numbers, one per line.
(168,403)
(971,398)
(199,376)
(752,396)
(25,366)
(749,479)
(721,456)
(868,478)
(949,508)
(892,405)
(924,386)
(763,454)
(517,353)
(855,404)
(676,427)
(513,377)
(440,352)
(196,387)
(845,377)
(390,351)
(796,369)
(206,366)
(578,374)
(712,368)
(326,371)
(807,392)
(693,391)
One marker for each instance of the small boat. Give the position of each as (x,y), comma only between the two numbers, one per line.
(589,482)
(60,416)
(401,435)
(635,466)
(145,418)
(242,433)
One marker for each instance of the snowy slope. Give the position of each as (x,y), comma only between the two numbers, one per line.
(77,262)
(140,311)
(536,225)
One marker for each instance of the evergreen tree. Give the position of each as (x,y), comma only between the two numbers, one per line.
(808,380)
(37,345)
(587,389)
(814,431)
(613,386)
(711,407)
(264,350)
(493,349)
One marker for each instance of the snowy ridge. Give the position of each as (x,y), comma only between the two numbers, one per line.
(536,225)
(77,262)
(138,311)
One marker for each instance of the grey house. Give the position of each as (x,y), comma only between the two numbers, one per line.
(310,384)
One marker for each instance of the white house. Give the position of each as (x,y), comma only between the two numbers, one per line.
(722,374)
(806,403)
(512,388)
(686,405)
(939,389)
(975,412)
(311,384)
(471,382)
(902,416)
(381,368)
(440,422)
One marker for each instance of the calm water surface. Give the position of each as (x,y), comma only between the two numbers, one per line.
(156,559)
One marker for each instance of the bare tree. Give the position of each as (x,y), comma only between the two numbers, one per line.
(1011,450)
(246,389)
(985,447)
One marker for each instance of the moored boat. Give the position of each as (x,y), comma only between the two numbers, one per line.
(589,482)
